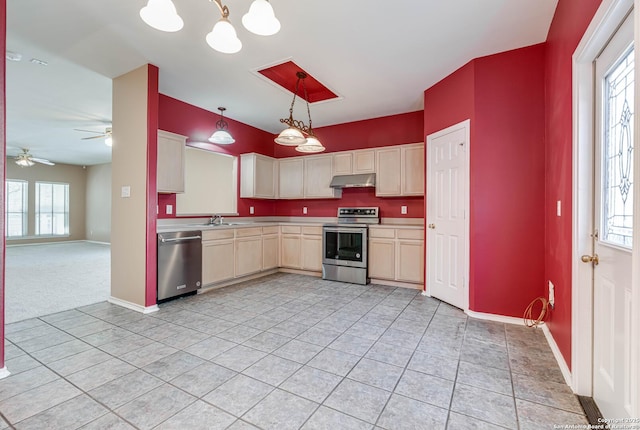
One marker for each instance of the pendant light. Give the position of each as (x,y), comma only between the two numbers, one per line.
(221,136)
(260,20)
(161,15)
(293,135)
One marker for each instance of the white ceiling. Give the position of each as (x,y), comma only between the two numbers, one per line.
(379,57)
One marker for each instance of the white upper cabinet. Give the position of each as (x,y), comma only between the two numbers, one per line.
(400,170)
(258,176)
(318,172)
(291,178)
(354,162)
(170,167)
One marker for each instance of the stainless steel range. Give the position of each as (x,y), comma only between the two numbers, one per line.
(344,245)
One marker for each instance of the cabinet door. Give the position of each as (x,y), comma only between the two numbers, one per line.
(248,255)
(388,173)
(269,252)
(410,261)
(382,260)
(170,162)
(217,261)
(317,176)
(413,170)
(312,253)
(364,161)
(291,178)
(290,251)
(342,163)
(257,176)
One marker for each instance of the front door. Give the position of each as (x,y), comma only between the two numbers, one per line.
(613,219)
(447,188)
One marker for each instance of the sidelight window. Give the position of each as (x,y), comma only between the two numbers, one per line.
(15,208)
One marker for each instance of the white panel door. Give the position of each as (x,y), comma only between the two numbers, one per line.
(613,215)
(446,208)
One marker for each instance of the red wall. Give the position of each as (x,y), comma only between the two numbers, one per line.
(198,124)
(371,133)
(3,116)
(569,24)
(503,96)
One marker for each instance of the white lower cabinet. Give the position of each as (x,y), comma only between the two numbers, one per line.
(290,251)
(218,252)
(248,255)
(397,254)
(311,244)
(270,251)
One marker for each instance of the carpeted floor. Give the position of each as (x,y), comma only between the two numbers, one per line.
(49,278)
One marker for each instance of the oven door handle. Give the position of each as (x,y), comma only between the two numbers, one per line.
(344,229)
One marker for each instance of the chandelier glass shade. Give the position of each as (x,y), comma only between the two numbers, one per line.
(221,136)
(294,135)
(261,20)
(24,161)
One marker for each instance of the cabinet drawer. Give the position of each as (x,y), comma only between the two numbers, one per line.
(248,231)
(291,229)
(312,230)
(270,230)
(217,234)
(386,233)
(410,234)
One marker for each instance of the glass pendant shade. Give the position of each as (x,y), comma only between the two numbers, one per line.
(24,162)
(161,15)
(260,19)
(221,137)
(223,37)
(290,137)
(312,145)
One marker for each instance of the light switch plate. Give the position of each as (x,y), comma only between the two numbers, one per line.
(559,208)
(403,210)
(125,191)
(169,209)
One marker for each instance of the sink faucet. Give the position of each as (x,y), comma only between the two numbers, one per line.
(216,220)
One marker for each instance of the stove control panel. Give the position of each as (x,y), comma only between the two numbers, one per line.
(369,212)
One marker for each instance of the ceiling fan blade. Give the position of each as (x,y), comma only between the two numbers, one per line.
(89,131)
(42,161)
(93,137)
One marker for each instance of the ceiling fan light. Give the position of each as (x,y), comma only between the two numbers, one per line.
(311,145)
(261,19)
(223,37)
(290,137)
(24,162)
(108,141)
(161,15)
(221,137)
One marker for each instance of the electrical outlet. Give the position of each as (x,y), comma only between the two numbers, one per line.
(403,210)
(304,210)
(169,209)
(251,210)
(552,293)
(559,208)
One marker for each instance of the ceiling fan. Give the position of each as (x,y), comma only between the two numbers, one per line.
(27,160)
(106,134)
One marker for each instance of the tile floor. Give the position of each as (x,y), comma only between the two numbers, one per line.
(282,352)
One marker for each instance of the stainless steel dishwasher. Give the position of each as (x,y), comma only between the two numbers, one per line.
(179,263)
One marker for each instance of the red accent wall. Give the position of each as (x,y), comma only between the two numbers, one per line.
(503,96)
(198,124)
(152,193)
(567,28)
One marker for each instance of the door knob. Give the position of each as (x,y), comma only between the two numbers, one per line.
(590,259)
(432,226)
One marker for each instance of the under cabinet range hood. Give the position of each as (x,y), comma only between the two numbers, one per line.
(354,181)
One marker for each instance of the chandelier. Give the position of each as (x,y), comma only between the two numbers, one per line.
(162,15)
(294,135)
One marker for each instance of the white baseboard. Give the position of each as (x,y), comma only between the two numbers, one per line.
(566,373)
(4,373)
(133,306)
(97,242)
(494,317)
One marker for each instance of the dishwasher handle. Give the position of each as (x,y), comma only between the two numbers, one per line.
(177,239)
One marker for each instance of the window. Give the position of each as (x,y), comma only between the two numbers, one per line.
(15,208)
(52,209)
